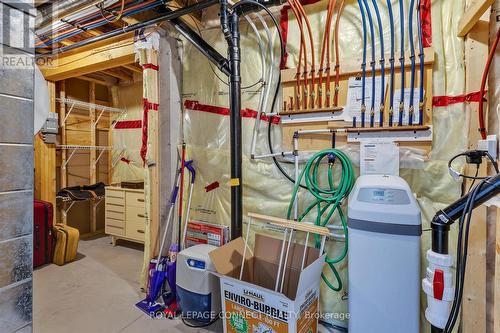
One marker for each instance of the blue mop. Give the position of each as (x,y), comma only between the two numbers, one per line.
(158,275)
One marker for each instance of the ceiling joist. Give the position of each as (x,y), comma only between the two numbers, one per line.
(90,61)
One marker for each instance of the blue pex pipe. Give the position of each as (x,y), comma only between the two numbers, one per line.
(391,61)
(372,34)
(363,66)
(422,59)
(412,59)
(402,61)
(382,62)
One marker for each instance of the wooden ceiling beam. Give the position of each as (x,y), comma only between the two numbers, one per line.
(119,74)
(90,61)
(134,68)
(102,81)
(472,16)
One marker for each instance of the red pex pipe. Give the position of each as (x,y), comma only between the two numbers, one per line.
(482,126)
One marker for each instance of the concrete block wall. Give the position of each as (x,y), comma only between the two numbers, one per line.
(16,165)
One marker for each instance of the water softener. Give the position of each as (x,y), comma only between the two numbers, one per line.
(384,256)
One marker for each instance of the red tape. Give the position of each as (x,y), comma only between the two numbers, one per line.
(123,159)
(128,124)
(211,187)
(284,34)
(150,106)
(426,22)
(144,146)
(146,107)
(245,113)
(150,66)
(440,101)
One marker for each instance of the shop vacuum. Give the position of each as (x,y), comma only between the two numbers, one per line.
(198,290)
(384,230)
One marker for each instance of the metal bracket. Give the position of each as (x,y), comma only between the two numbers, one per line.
(69,111)
(68,159)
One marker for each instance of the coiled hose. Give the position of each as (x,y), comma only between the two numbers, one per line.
(327,200)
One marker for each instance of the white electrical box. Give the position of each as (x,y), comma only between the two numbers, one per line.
(490,145)
(384,256)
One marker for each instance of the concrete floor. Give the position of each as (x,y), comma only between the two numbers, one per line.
(96,293)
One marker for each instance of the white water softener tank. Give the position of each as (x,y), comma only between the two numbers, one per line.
(384,256)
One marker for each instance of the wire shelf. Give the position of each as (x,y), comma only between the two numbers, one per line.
(87,106)
(76,147)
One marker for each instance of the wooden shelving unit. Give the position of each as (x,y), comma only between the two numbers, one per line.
(93,114)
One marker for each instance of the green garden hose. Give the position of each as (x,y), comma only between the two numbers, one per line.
(327,200)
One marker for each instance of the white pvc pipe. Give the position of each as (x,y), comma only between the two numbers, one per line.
(262,93)
(267,83)
(296,160)
(285,153)
(271,58)
(318,131)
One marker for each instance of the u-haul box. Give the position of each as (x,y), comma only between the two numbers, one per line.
(251,305)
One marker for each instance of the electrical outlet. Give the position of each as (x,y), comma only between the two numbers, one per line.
(490,145)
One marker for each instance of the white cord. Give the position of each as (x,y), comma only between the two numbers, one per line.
(267,83)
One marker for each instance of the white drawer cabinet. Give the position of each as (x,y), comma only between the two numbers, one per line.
(125,214)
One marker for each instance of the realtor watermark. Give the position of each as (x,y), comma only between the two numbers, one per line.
(206,316)
(17,37)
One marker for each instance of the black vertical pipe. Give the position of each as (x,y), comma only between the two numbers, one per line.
(440,237)
(441,222)
(235,128)
(435,329)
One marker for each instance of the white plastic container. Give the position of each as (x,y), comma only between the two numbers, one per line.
(384,256)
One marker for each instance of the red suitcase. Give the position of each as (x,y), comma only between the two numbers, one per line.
(42,233)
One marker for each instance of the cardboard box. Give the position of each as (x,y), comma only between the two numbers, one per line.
(198,232)
(251,305)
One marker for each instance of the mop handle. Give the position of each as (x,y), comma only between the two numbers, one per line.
(173,198)
(189,166)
